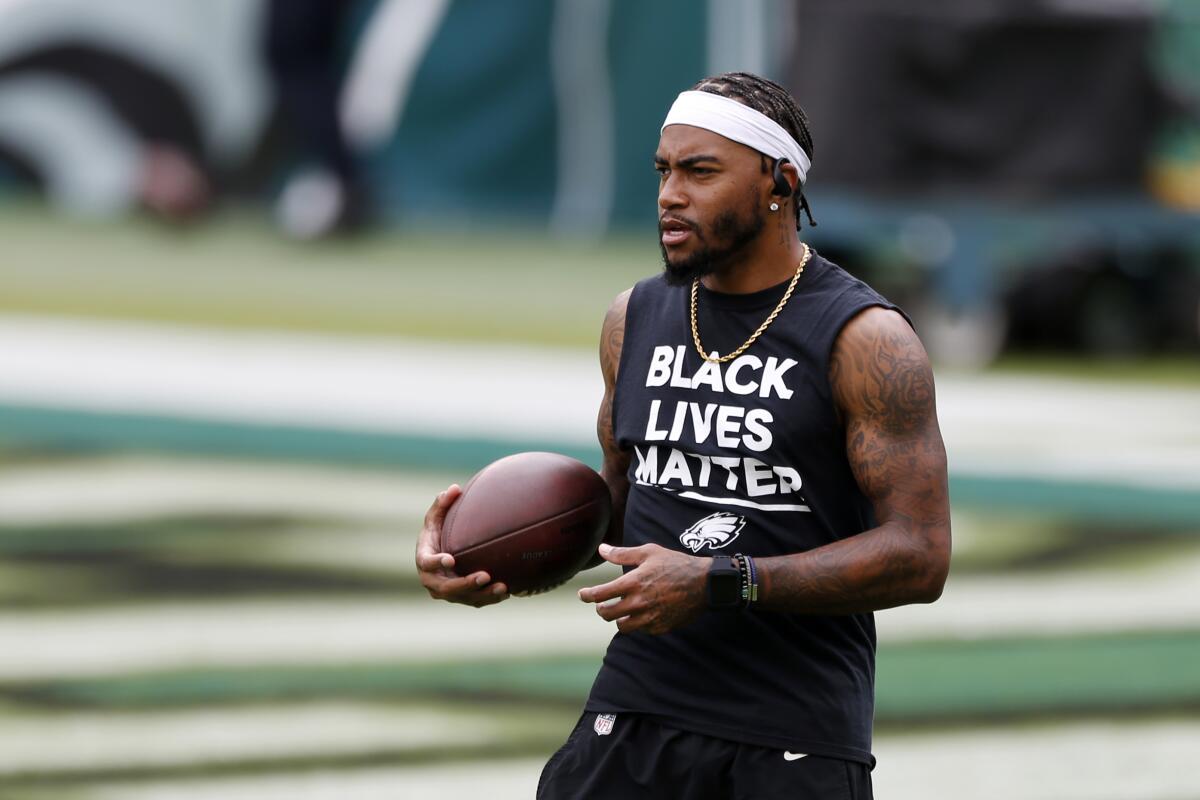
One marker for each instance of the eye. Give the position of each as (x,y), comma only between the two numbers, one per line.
(661,170)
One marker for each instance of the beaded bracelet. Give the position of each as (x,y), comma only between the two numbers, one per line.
(749,577)
(752,591)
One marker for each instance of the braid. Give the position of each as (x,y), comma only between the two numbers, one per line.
(769,98)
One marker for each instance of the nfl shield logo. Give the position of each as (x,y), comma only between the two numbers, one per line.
(604,723)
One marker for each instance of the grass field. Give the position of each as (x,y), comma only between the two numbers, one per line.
(244,621)
(450,285)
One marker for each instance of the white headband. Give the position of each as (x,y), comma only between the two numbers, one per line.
(737,122)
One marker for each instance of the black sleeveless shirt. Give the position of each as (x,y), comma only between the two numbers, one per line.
(745,457)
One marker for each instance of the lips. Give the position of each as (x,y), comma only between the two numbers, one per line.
(673,231)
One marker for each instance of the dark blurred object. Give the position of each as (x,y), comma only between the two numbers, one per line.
(1104,302)
(995,96)
(172,177)
(301,51)
(144,99)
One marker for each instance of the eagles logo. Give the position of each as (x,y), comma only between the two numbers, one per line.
(715,530)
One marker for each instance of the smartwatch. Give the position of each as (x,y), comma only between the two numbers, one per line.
(724,584)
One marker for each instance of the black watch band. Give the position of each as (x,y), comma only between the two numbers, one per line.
(724,584)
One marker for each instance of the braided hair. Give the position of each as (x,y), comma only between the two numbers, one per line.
(769,98)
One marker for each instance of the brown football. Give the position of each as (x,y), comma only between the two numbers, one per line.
(530,520)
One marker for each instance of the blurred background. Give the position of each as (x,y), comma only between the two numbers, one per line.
(272,274)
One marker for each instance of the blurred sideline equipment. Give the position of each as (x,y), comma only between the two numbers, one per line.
(1010,143)
(300,49)
(530,520)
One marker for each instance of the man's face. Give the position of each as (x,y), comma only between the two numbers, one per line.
(709,202)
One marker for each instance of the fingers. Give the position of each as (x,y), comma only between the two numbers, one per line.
(606,591)
(429,561)
(431,532)
(475,589)
(429,543)
(482,596)
(435,568)
(613,610)
(626,556)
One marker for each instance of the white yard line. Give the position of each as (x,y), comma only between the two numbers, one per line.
(111,641)
(1085,761)
(339,382)
(494,780)
(1001,425)
(66,743)
(1112,600)
(97,490)
(1072,429)
(49,645)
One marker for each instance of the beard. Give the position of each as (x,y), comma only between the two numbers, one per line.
(720,247)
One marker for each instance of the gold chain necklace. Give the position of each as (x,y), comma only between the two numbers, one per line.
(771,318)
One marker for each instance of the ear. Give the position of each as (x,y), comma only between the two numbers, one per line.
(792,176)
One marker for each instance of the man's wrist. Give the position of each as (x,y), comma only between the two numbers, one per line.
(724,584)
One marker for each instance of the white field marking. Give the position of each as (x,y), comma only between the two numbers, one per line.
(1095,601)
(993,424)
(63,743)
(1071,429)
(352,383)
(129,487)
(496,780)
(1084,761)
(115,640)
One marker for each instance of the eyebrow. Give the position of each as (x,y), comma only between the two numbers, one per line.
(690,161)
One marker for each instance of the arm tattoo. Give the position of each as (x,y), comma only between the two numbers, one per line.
(616,461)
(883,388)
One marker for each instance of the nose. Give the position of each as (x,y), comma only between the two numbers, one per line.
(670,192)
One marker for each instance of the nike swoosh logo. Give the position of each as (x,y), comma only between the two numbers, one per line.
(789,756)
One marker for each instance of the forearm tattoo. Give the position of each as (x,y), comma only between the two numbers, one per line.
(883,388)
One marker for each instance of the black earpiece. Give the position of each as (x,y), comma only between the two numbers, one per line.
(782,187)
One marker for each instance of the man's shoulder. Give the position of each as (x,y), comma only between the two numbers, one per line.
(845,295)
(832,277)
(654,286)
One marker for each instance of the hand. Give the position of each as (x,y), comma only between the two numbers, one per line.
(435,568)
(665,590)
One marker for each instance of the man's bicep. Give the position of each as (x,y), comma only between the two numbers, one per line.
(616,461)
(884,388)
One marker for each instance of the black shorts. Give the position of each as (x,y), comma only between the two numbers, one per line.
(627,757)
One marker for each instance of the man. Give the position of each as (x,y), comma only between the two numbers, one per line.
(769,499)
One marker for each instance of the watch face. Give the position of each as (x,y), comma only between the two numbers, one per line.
(724,584)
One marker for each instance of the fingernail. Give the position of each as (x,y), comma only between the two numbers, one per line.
(605,548)
(481,580)
(498,590)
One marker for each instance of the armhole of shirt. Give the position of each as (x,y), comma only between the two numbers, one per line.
(630,310)
(867,298)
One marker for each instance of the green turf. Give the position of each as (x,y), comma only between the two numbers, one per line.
(518,286)
(72,430)
(1180,369)
(235,271)
(920,681)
